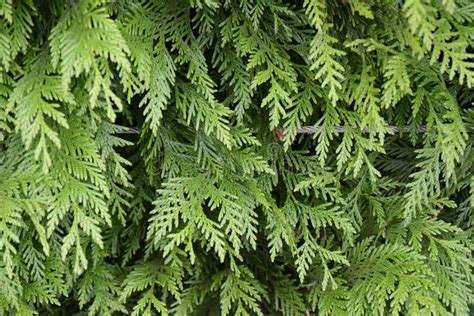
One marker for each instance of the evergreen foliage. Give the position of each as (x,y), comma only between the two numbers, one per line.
(209,211)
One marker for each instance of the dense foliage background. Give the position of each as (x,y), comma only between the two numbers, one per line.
(216,202)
